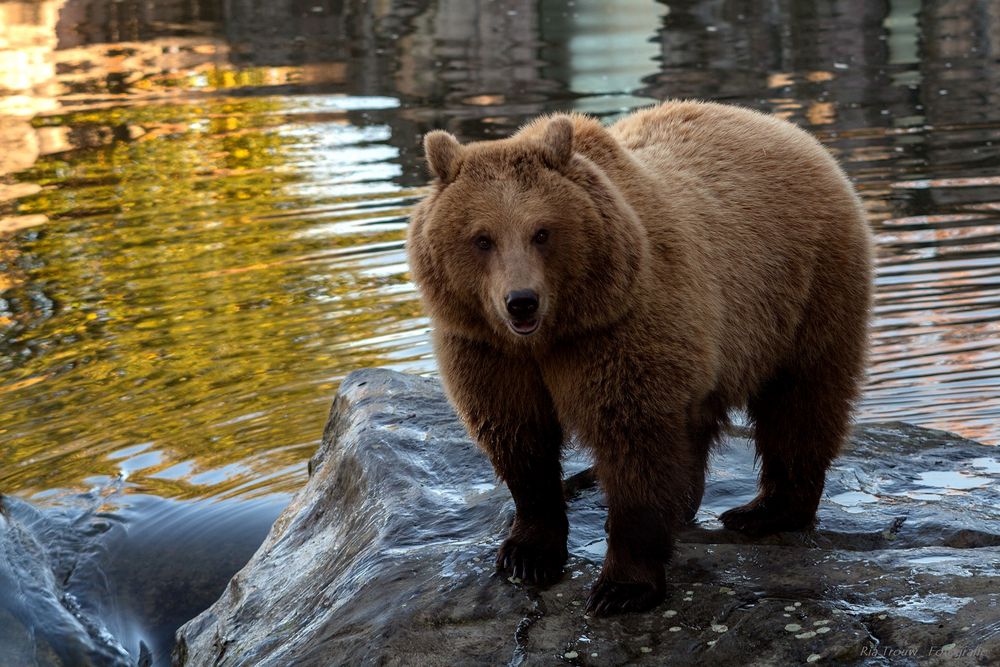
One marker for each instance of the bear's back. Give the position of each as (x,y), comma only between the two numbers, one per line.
(766,213)
(738,156)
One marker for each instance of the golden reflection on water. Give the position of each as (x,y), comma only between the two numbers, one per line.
(194,252)
(192,303)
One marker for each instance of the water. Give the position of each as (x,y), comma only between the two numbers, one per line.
(203,206)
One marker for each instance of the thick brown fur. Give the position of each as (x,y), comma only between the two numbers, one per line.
(696,258)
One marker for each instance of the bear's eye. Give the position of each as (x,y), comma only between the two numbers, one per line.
(484,242)
(541,236)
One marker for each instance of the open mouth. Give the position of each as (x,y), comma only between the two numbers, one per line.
(524,327)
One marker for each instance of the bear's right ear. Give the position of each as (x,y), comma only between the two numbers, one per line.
(442,151)
(557,142)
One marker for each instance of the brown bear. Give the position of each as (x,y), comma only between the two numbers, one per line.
(629,285)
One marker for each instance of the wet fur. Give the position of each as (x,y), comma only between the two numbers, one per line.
(702,258)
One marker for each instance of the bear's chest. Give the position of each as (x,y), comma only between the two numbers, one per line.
(589,384)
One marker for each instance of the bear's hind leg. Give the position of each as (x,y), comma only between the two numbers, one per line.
(801,418)
(696,491)
(705,421)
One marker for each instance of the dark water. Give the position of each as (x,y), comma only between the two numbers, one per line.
(203,205)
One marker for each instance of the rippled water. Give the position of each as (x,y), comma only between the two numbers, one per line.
(202,206)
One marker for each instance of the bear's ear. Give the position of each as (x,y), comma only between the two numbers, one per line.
(557,142)
(442,151)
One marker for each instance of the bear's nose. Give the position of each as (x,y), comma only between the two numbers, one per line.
(522,303)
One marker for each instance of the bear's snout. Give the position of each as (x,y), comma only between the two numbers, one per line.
(522,306)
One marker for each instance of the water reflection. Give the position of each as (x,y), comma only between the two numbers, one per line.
(202,204)
(208,266)
(204,266)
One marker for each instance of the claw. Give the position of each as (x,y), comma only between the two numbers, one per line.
(531,562)
(608,598)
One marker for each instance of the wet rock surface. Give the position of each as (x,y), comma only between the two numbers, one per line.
(386,557)
(105,577)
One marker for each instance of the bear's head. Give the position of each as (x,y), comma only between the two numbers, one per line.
(524,240)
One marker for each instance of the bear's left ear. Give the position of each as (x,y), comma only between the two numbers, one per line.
(557,142)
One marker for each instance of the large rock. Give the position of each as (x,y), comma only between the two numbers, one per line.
(386,557)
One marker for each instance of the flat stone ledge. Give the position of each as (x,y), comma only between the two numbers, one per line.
(385,557)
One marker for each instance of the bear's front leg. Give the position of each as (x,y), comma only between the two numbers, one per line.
(535,549)
(508,411)
(646,487)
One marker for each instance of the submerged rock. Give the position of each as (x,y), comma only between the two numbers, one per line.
(386,556)
(105,577)
(44,618)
